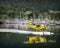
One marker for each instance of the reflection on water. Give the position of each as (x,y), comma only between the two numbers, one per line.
(13,39)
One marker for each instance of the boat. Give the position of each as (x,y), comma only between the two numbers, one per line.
(27,32)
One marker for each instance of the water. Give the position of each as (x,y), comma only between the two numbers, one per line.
(15,40)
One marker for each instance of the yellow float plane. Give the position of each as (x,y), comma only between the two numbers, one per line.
(36,26)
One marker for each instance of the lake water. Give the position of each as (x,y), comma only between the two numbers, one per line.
(15,40)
